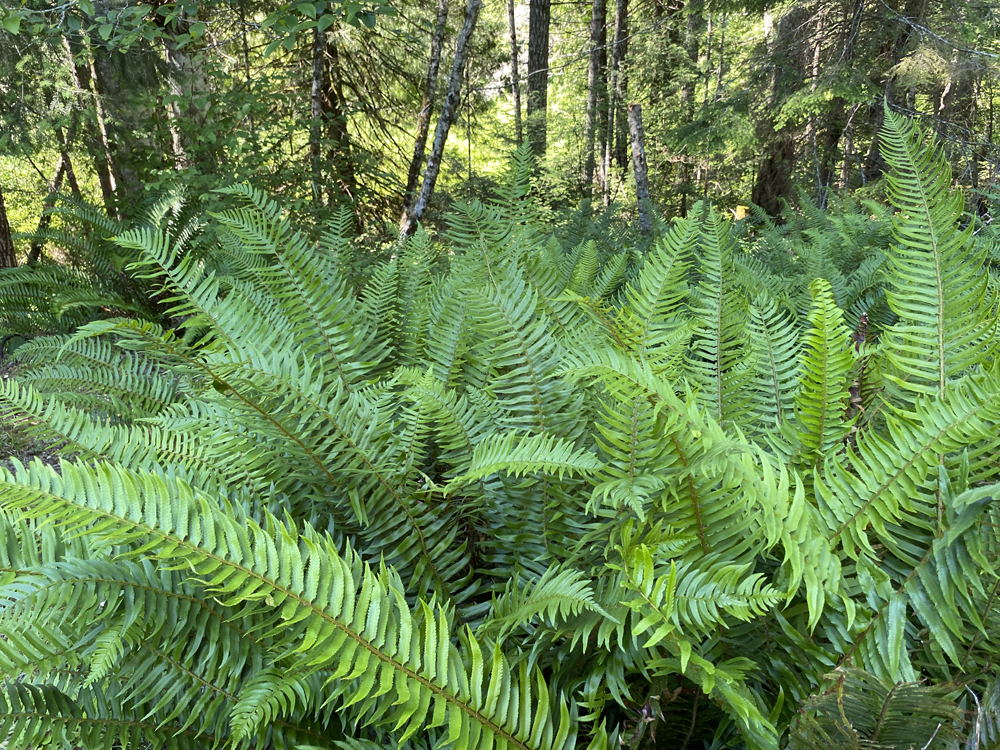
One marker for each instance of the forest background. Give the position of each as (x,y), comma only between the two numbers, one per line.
(331,104)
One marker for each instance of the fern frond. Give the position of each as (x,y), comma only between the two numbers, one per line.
(29,713)
(821,398)
(521,454)
(654,296)
(856,709)
(938,284)
(557,595)
(775,345)
(718,366)
(338,613)
(900,477)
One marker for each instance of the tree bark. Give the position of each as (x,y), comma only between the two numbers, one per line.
(178,68)
(616,94)
(976,201)
(448,113)
(64,144)
(773,183)
(639,165)
(426,107)
(96,142)
(837,119)
(335,115)
(595,87)
(7,257)
(117,132)
(515,78)
(811,121)
(914,11)
(316,114)
(539,18)
(848,150)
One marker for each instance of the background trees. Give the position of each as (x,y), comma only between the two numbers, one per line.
(331,104)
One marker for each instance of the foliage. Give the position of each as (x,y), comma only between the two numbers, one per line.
(518,493)
(92,281)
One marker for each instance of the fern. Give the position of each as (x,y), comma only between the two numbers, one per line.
(856,710)
(821,398)
(718,363)
(938,284)
(516,485)
(774,341)
(338,613)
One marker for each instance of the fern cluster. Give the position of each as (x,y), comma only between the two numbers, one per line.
(90,281)
(527,490)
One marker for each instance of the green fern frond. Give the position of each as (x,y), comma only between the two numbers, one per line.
(718,366)
(557,595)
(856,709)
(338,614)
(520,454)
(900,478)
(654,296)
(938,284)
(30,714)
(821,397)
(774,340)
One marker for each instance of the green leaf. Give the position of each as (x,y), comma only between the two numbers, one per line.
(12,23)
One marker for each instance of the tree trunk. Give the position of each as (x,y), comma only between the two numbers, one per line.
(976,201)
(316,114)
(178,68)
(848,138)
(639,165)
(722,58)
(595,87)
(773,183)
(515,78)
(335,115)
(448,113)
(692,38)
(244,34)
(96,142)
(811,122)
(914,11)
(615,96)
(64,143)
(621,86)
(539,17)
(426,107)
(63,167)
(837,119)
(7,257)
(118,132)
